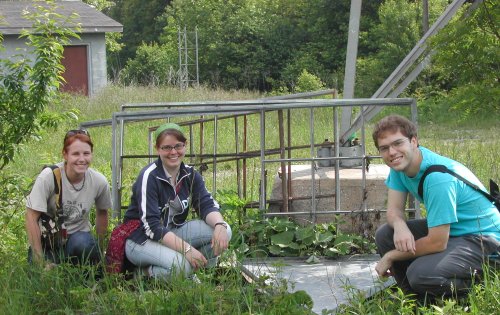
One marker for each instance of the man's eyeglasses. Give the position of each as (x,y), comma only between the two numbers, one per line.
(395,144)
(74,132)
(177,147)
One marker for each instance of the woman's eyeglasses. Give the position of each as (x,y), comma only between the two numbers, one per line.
(74,132)
(177,147)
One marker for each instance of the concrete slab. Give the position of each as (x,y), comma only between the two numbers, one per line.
(352,196)
(327,282)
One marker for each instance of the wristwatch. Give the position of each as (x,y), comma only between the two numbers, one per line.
(224,224)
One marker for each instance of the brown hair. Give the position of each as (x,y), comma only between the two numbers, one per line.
(393,124)
(68,140)
(173,132)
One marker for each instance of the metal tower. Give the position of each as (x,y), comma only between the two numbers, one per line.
(188,59)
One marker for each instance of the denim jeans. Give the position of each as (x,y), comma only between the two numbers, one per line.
(164,261)
(80,248)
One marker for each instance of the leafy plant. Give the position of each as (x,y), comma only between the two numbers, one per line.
(25,89)
(282,237)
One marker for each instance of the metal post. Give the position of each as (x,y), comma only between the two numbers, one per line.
(262,196)
(313,166)
(197,67)
(337,153)
(284,181)
(214,160)
(350,64)
(237,151)
(114,176)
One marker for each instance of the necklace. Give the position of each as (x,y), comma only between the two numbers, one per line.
(76,189)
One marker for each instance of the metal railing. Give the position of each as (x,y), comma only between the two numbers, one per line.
(214,113)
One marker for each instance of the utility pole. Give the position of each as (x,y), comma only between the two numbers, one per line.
(350,63)
(425,16)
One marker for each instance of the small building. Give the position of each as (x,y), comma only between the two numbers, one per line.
(84,58)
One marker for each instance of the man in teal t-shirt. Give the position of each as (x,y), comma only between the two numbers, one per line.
(439,255)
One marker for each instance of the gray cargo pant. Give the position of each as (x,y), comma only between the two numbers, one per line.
(450,272)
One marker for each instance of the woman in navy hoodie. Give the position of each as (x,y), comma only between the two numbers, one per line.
(163,195)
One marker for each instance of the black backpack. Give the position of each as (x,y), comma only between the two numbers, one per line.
(53,235)
(493,196)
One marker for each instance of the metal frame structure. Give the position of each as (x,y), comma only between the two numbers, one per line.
(215,112)
(188,64)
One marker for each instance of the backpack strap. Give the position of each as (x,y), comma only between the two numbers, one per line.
(56,171)
(495,198)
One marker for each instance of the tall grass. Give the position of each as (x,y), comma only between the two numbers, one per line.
(72,290)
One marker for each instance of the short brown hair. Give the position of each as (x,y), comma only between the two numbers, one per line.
(393,124)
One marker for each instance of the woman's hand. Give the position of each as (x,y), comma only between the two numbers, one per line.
(195,258)
(220,240)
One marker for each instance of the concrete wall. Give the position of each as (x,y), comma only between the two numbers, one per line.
(96,52)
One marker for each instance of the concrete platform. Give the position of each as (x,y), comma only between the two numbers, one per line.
(351,199)
(327,282)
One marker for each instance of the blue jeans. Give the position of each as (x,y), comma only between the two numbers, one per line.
(80,248)
(165,261)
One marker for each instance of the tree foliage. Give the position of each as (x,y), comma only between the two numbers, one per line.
(263,44)
(468,53)
(141,23)
(267,44)
(27,87)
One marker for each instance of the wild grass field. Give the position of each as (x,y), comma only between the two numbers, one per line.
(473,141)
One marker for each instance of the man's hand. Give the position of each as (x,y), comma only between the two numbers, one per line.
(403,238)
(383,267)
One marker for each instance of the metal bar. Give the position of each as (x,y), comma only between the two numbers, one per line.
(191,145)
(214,160)
(325,212)
(114,176)
(180,57)
(237,151)
(284,181)
(197,67)
(415,203)
(245,148)
(337,153)
(313,165)
(289,143)
(262,196)
(350,63)
(363,162)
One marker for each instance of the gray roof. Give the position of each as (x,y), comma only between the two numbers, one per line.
(90,19)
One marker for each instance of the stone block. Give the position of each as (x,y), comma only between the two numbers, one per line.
(354,218)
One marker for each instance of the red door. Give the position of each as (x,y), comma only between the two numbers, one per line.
(76,73)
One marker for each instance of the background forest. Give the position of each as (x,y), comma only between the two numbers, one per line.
(265,45)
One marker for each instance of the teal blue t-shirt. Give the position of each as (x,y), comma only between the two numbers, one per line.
(448,200)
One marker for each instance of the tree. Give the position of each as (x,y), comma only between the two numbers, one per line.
(26,88)
(141,23)
(263,44)
(467,54)
(397,32)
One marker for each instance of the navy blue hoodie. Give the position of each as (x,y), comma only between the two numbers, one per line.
(160,206)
